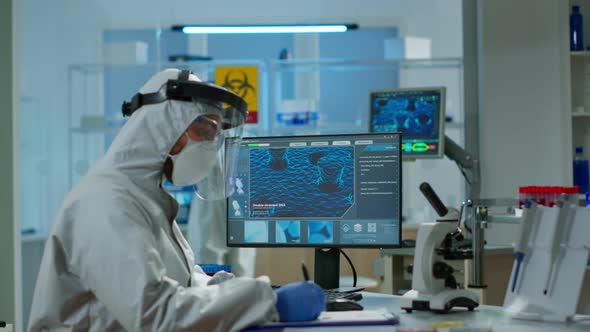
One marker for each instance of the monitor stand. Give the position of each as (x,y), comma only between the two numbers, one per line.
(327,267)
(327,270)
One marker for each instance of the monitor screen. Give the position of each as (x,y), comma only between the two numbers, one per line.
(419,114)
(317,191)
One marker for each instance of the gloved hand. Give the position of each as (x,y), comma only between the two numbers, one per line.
(220,277)
(300,301)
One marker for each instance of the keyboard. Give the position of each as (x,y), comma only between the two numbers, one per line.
(332,295)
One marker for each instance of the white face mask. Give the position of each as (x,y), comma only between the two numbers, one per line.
(194,162)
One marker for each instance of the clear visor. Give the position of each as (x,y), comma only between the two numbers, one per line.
(218,129)
(206,128)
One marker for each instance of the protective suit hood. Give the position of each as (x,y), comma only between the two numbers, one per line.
(141,147)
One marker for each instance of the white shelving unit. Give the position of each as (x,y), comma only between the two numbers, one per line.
(580,100)
(579,86)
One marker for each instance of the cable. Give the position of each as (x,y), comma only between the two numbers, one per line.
(467,227)
(462,170)
(351,266)
(465,210)
(461,214)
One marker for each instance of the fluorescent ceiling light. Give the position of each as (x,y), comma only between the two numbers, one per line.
(298,28)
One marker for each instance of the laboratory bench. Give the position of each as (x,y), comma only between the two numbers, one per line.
(484,316)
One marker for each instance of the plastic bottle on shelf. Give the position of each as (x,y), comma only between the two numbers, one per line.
(576,30)
(581,171)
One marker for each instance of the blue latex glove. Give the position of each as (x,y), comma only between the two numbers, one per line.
(300,301)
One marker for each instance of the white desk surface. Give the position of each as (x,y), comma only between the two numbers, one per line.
(488,250)
(484,315)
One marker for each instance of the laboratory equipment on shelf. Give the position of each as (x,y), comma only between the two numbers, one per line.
(434,288)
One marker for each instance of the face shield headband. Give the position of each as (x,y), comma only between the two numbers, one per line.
(229,111)
(183,89)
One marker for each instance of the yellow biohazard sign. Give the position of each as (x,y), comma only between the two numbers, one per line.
(243,80)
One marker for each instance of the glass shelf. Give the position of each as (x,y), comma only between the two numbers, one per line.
(580,54)
(580,114)
(337,90)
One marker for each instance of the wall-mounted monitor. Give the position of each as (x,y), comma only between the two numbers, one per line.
(418,113)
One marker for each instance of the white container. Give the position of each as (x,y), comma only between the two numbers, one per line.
(125,53)
(298,112)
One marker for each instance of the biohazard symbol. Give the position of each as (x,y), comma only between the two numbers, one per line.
(237,81)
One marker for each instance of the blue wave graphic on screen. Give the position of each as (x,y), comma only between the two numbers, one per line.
(302,182)
(411,116)
(256,231)
(320,232)
(288,231)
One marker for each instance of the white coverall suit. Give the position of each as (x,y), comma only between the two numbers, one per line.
(116,259)
(207,236)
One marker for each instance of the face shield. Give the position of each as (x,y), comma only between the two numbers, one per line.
(204,161)
(217,163)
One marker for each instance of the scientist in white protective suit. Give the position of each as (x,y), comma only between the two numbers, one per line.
(207,236)
(207,230)
(116,260)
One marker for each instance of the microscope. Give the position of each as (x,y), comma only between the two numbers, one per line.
(434,288)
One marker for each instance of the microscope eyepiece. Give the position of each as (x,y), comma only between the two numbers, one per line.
(433,199)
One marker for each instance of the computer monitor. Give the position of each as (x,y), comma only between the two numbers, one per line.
(330,191)
(418,113)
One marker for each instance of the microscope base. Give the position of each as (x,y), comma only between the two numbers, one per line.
(441,302)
